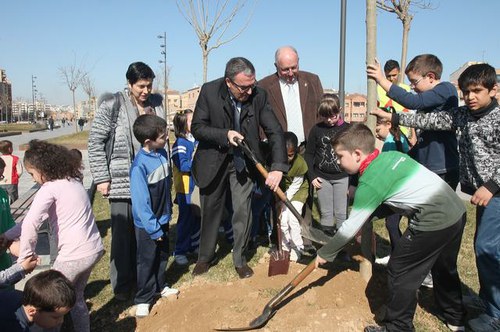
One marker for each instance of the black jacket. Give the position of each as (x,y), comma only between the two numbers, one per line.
(213,118)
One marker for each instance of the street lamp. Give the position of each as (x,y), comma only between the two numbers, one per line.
(164,61)
(33,95)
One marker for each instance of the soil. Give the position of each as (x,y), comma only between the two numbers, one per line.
(333,298)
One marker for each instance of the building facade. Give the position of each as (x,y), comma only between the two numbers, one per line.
(5,98)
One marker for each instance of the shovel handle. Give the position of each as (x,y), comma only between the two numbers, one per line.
(304,273)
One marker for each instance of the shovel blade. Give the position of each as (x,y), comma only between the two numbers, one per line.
(279,263)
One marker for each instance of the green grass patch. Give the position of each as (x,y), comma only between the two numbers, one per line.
(80,139)
(21,126)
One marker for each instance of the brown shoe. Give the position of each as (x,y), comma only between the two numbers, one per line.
(202,267)
(244,272)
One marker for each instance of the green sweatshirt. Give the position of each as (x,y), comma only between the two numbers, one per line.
(403,184)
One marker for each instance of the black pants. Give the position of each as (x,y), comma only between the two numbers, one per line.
(416,253)
(213,199)
(152,257)
(123,247)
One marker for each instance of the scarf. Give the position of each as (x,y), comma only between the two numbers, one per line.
(367,161)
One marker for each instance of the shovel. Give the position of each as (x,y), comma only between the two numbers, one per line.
(271,306)
(280,259)
(309,232)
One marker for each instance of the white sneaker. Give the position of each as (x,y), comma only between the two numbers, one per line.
(181,260)
(167,291)
(383,260)
(142,310)
(428,281)
(455,328)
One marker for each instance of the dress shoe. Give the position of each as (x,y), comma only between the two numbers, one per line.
(244,272)
(202,267)
(375,328)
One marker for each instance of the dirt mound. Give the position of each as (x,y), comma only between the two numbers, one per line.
(332,299)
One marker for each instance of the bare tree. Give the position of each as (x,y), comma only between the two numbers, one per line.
(211,22)
(88,86)
(73,76)
(402,9)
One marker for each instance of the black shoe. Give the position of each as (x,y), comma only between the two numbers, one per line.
(329,230)
(309,250)
(244,272)
(375,328)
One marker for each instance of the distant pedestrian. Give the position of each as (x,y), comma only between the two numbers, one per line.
(51,124)
(13,170)
(63,121)
(81,123)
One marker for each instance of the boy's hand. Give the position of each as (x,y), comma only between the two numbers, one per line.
(319,261)
(381,114)
(316,183)
(30,263)
(481,197)
(374,71)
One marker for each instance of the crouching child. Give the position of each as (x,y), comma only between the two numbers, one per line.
(432,240)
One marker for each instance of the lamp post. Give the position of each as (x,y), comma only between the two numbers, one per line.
(33,95)
(163,47)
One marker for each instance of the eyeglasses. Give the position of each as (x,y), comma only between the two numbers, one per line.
(244,88)
(414,83)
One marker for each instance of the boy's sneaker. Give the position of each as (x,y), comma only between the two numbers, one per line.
(455,328)
(181,260)
(142,310)
(383,260)
(167,291)
(428,281)
(485,323)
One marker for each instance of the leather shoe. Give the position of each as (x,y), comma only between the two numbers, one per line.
(244,272)
(202,267)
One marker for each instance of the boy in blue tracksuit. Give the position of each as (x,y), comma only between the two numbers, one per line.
(152,210)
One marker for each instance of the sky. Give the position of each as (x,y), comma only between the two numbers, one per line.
(105,36)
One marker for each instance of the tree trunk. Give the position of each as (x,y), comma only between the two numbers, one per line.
(205,65)
(404,48)
(371,52)
(75,121)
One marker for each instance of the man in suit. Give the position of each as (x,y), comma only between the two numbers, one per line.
(294,95)
(228,108)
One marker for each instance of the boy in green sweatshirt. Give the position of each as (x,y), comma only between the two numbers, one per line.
(432,240)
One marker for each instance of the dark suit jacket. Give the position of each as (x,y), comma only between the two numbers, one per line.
(310,90)
(213,118)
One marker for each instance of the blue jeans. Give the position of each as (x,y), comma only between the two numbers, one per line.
(487,246)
